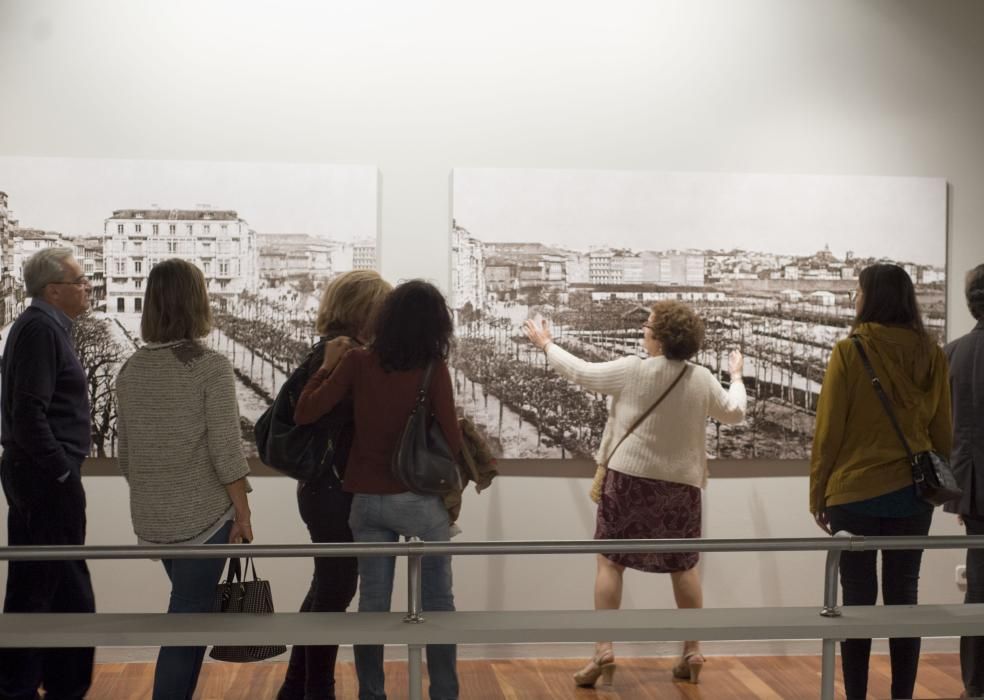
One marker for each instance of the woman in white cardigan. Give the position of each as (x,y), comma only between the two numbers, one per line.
(652,487)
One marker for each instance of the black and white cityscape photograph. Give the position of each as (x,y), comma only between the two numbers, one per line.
(768,261)
(267,237)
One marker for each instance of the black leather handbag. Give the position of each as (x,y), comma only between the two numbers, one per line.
(304,452)
(422,460)
(238,595)
(931,473)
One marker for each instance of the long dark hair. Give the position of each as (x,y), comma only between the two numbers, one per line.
(888,297)
(413,327)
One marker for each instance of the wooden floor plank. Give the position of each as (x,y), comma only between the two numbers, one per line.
(723,678)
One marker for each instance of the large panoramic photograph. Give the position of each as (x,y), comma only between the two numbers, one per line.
(267,237)
(769,262)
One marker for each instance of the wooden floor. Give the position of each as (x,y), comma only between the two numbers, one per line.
(724,678)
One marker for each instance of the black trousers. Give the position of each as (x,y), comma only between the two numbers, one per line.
(45,513)
(972,648)
(325,509)
(900,586)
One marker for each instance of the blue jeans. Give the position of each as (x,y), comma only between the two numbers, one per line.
(383,518)
(193,583)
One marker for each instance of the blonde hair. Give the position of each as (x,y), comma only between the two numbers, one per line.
(350,301)
(176,305)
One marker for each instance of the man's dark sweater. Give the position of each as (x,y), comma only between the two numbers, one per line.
(44,404)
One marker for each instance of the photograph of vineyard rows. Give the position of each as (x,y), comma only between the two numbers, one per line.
(267,236)
(768,261)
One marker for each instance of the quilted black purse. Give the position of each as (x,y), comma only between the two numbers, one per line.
(422,460)
(304,452)
(931,473)
(237,595)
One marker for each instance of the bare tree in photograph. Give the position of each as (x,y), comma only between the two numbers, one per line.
(101,355)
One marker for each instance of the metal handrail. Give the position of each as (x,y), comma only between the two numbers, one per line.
(853,543)
(415,550)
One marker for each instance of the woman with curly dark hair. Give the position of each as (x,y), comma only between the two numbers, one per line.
(412,331)
(653,448)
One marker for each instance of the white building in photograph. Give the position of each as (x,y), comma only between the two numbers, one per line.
(284,256)
(673,268)
(364,254)
(468,272)
(89,254)
(823,298)
(218,242)
(602,268)
(11,291)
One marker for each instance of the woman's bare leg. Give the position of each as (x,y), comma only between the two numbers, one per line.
(607,593)
(688,593)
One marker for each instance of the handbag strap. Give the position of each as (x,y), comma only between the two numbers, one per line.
(883,397)
(425,381)
(645,415)
(235,571)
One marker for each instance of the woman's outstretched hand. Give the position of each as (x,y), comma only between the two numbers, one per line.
(736,363)
(539,335)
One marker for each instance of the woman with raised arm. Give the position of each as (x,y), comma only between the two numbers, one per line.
(654,449)
(860,476)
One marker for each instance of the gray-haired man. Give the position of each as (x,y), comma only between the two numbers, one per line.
(45,433)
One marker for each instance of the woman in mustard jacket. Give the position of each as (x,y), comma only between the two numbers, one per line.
(860,477)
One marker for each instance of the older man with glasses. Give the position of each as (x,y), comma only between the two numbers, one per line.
(45,434)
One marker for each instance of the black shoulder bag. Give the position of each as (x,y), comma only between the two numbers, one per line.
(931,473)
(422,460)
(304,452)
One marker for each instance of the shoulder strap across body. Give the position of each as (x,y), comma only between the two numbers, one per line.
(883,397)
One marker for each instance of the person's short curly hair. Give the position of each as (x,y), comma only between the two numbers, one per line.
(678,328)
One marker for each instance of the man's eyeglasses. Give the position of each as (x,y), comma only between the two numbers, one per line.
(81,281)
(852,295)
(648,325)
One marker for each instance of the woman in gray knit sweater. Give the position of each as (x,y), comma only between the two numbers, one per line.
(181,452)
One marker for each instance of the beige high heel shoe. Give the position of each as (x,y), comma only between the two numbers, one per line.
(601,666)
(689,667)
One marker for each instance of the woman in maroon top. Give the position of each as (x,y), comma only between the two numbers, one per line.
(413,329)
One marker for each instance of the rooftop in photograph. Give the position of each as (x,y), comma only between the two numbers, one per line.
(177,214)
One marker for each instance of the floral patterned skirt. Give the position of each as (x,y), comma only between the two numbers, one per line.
(635,508)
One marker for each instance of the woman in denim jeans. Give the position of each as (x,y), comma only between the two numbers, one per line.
(348,306)
(180,449)
(413,330)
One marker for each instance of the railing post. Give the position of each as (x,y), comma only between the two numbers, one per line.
(828,662)
(831,573)
(415,675)
(414,565)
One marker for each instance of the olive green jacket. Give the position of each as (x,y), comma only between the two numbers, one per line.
(856,453)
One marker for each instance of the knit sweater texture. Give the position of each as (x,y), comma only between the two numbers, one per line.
(179,439)
(670,443)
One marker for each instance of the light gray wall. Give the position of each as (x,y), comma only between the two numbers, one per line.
(777,86)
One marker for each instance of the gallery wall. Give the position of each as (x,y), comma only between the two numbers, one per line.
(761,86)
